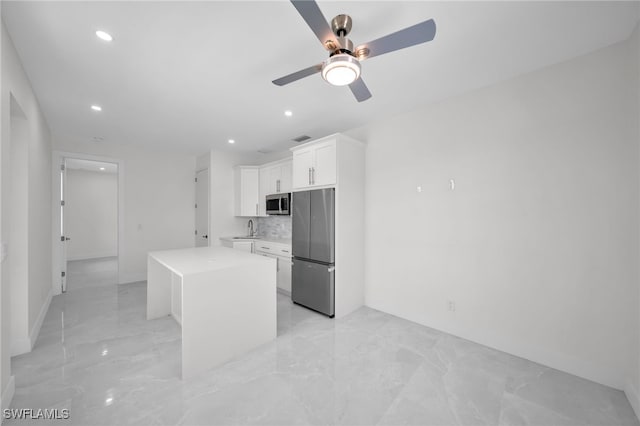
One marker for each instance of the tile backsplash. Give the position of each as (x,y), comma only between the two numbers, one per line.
(274,227)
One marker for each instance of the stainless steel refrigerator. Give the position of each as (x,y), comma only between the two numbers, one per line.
(313,270)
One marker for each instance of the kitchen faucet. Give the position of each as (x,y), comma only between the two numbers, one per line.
(250,226)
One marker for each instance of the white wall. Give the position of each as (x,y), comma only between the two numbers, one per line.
(91,207)
(37,164)
(17,213)
(632,388)
(538,244)
(158,201)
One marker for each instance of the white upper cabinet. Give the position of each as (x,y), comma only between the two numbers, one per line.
(285,177)
(275,178)
(314,164)
(302,163)
(247,191)
(264,190)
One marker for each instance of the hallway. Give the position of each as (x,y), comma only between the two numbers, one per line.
(92,272)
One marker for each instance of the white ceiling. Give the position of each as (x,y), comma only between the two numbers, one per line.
(188,76)
(90,165)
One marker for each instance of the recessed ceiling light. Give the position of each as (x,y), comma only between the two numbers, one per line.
(104,35)
(101,168)
(232,141)
(96,108)
(288,113)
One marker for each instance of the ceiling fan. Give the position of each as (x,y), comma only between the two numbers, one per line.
(342,68)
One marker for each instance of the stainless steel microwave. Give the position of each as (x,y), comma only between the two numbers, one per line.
(279,204)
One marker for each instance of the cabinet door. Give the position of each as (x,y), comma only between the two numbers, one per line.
(324,169)
(285,177)
(284,274)
(302,163)
(274,180)
(263,191)
(244,246)
(249,192)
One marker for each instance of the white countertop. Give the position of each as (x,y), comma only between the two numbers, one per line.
(286,241)
(203,259)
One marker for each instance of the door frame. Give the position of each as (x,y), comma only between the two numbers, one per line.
(56,248)
(209,244)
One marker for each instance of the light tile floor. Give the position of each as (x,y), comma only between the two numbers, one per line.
(92,272)
(98,356)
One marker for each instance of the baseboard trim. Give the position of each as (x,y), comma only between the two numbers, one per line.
(283,292)
(7,394)
(20,346)
(92,256)
(35,331)
(568,364)
(132,278)
(634,398)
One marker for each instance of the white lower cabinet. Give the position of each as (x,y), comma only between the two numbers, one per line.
(282,253)
(238,245)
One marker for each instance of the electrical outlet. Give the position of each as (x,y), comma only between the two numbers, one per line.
(451,305)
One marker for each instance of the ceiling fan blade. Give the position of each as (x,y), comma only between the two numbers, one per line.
(313,16)
(360,90)
(410,36)
(297,75)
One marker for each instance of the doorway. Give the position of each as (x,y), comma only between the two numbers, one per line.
(88,223)
(202,208)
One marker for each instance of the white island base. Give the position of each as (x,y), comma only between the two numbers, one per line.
(224,300)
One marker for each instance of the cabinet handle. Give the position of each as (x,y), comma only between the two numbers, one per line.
(313,175)
(278,185)
(256,209)
(309,175)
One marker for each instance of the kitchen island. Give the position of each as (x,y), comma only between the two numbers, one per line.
(224,300)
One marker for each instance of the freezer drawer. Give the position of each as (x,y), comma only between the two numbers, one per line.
(313,286)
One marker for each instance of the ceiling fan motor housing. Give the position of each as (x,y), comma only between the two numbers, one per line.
(341,25)
(346,46)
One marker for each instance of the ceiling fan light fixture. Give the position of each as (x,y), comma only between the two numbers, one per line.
(341,69)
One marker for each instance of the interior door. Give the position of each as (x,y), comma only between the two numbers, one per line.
(202,208)
(63,237)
